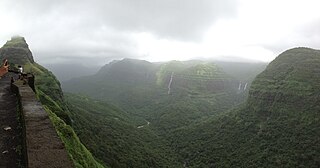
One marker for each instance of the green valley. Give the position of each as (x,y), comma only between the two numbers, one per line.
(207,118)
(114,138)
(164,98)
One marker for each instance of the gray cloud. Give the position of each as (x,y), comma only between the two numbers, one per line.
(310,34)
(306,35)
(102,28)
(182,19)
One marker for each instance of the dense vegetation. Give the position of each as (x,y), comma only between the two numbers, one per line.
(198,90)
(114,138)
(49,93)
(278,125)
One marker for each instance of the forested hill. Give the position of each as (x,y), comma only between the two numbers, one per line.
(277,127)
(158,99)
(171,94)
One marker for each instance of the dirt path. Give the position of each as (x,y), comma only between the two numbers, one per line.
(141,126)
(10,139)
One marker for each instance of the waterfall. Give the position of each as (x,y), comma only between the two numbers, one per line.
(169,85)
(239,88)
(245,86)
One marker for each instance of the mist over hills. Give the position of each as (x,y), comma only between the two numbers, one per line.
(66,72)
(132,70)
(243,71)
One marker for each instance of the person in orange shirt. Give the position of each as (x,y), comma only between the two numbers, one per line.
(4,68)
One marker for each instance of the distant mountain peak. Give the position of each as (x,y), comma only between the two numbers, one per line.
(126,64)
(131,60)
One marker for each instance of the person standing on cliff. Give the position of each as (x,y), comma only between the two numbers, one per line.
(4,68)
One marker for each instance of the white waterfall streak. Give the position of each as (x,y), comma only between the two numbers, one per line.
(239,88)
(245,86)
(170,82)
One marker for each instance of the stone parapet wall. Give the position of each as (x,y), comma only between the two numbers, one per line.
(43,147)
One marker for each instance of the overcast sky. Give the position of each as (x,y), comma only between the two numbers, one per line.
(97,31)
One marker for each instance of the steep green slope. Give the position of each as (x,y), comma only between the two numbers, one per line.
(277,127)
(114,138)
(49,93)
(194,77)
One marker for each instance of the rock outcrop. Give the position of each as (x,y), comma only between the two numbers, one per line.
(18,50)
